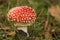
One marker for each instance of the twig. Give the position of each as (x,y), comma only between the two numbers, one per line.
(4,28)
(47,30)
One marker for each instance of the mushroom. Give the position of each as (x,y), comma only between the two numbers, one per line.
(23,16)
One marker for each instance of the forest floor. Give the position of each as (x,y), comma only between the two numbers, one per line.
(46,26)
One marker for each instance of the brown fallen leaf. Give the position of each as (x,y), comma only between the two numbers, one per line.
(54,11)
(10,33)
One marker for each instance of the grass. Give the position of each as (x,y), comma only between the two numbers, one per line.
(40,30)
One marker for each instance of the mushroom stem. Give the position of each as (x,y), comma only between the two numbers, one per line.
(23,29)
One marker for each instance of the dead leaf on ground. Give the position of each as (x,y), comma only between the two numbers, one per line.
(10,33)
(54,11)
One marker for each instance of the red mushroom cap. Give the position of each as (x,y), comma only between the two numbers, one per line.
(22,14)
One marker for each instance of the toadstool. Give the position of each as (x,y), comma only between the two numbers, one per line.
(23,16)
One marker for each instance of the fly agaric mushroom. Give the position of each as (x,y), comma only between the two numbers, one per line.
(23,16)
